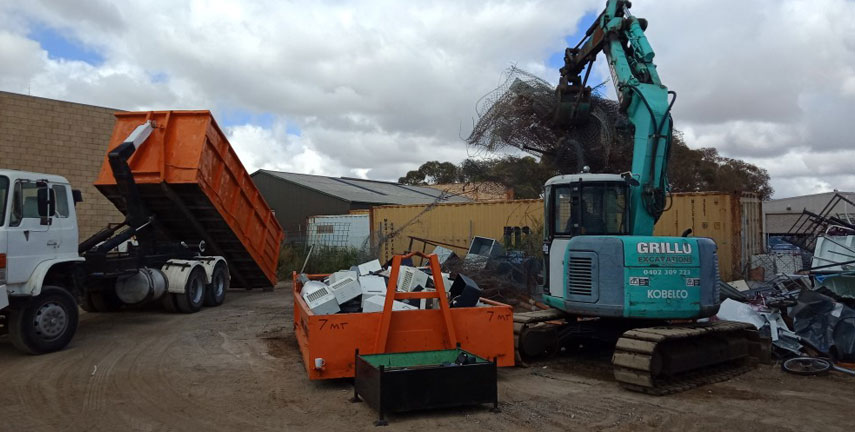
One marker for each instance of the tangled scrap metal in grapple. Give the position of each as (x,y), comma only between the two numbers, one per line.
(521,113)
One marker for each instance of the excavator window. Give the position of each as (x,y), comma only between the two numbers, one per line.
(591,208)
(563,205)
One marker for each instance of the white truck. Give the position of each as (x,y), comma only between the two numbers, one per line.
(38,306)
(156,254)
(43,277)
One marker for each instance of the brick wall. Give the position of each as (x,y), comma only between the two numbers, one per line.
(63,138)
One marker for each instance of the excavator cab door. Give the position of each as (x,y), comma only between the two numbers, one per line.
(580,208)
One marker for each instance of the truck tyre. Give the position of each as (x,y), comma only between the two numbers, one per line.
(215,292)
(46,323)
(194,292)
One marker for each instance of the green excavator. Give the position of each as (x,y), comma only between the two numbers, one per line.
(607,277)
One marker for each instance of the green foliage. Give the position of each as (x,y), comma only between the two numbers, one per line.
(433,172)
(524,174)
(532,244)
(705,170)
(324,259)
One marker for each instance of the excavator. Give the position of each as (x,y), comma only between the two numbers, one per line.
(607,278)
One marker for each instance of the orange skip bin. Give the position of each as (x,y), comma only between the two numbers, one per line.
(328,342)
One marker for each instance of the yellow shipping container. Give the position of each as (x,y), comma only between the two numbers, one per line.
(733,220)
(453,224)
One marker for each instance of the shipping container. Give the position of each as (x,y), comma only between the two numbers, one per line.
(350,230)
(191,179)
(733,220)
(399,228)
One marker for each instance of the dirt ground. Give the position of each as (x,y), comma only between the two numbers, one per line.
(238,368)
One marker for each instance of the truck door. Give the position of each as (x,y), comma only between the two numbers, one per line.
(63,221)
(30,238)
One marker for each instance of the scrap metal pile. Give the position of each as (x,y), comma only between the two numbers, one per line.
(521,113)
(510,277)
(820,244)
(805,300)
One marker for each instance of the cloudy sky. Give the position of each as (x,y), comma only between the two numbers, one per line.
(375,88)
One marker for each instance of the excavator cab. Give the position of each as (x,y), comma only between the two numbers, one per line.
(587,204)
(596,265)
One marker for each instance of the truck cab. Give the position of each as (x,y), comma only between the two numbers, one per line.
(38,247)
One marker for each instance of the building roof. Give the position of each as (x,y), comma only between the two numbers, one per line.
(365,191)
(814,203)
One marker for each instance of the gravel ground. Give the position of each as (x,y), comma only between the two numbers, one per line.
(237,367)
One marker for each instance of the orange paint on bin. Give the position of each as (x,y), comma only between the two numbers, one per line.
(192,180)
(486,331)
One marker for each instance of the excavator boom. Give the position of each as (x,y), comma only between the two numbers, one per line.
(642,96)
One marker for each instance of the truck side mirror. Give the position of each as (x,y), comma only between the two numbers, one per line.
(45,201)
(77,196)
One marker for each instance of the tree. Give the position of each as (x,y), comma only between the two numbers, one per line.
(705,170)
(525,175)
(433,172)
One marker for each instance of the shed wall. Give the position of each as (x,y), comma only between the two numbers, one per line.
(294,204)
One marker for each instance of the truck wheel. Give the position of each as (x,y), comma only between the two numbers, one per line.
(194,292)
(215,292)
(46,323)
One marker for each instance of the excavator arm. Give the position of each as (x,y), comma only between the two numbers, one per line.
(642,96)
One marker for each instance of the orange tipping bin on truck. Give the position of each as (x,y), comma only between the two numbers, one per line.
(191,179)
(328,343)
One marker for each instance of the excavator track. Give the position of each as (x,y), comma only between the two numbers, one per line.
(654,360)
(535,335)
(671,359)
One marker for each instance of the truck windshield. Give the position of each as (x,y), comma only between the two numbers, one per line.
(590,209)
(4,192)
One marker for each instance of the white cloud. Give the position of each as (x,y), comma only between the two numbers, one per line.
(376,88)
(274,149)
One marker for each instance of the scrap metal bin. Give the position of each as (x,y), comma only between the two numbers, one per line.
(423,380)
(328,342)
(190,177)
